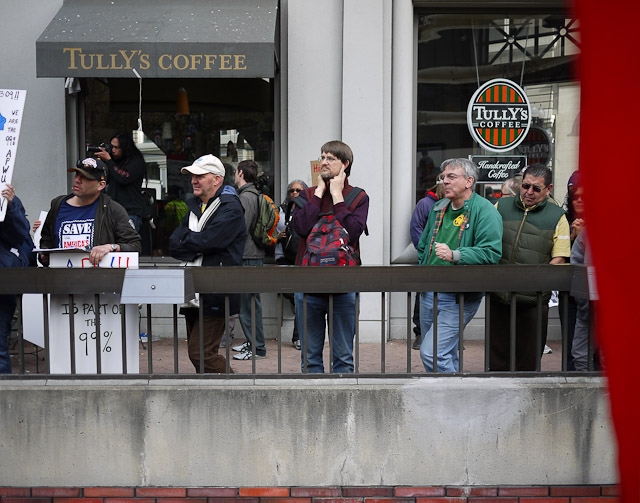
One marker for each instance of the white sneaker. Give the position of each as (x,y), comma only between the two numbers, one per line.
(241,348)
(247,355)
(547,350)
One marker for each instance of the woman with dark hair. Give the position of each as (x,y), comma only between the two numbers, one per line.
(126,170)
(287,246)
(575,215)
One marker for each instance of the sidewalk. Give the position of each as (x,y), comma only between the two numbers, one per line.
(369,358)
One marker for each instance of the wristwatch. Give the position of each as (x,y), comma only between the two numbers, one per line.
(114,248)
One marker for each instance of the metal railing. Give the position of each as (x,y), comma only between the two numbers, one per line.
(567,279)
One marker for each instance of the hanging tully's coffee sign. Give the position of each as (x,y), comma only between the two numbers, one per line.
(499,115)
(537,146)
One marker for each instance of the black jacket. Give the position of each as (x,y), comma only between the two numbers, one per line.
(14,235)
(111,225)
(125,184)
(221,242)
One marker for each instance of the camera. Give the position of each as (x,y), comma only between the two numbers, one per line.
(92,149)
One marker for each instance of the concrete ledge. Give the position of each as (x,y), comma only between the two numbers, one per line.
(313,432)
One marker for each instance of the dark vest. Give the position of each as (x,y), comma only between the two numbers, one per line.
(527,237)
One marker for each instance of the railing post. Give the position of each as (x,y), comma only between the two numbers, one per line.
(175,337)
(123,328)
(409,318)
(434,330)
(461,332)
(487,332)
(150,339)
(98,336)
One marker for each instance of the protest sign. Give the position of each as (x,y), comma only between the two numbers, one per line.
(85,336)
(11,106)
(316,165)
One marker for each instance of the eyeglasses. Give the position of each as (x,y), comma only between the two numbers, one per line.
(328,158)
(527,186)
(291,191)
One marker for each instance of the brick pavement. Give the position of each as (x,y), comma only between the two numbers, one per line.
(369,355)
(370,360)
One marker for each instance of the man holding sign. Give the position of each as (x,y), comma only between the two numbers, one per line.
(87,218)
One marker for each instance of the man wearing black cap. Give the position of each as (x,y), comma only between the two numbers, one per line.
(88,218)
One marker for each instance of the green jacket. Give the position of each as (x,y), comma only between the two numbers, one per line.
(481,235)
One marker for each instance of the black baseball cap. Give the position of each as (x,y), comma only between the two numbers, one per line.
(91,168)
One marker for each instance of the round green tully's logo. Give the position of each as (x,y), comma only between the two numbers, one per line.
(499,115)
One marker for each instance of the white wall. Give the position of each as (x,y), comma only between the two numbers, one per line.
(40,169)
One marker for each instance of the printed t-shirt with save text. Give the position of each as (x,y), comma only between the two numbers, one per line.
(74,225)
(448,233)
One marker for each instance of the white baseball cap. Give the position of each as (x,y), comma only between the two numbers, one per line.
(206,164)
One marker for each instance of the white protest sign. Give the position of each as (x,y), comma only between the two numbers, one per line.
(11,106)
(84,319)
(80,259)
(85,334)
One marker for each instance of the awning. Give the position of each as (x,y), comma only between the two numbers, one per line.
(160,38)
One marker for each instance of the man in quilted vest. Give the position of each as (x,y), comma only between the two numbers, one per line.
(536,231)
(330,195)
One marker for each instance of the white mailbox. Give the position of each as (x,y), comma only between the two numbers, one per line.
(157,286)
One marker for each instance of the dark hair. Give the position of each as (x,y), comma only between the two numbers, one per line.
(539,171)
(127,145)
(342,151)
(249,169)
(573,185)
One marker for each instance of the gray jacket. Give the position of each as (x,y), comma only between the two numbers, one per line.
(249,202)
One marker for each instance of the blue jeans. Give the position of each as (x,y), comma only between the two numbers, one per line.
(448,329)
(245,313)
(7,308)
(344,329)
(136,221)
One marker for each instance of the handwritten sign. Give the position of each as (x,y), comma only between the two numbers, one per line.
(85,334)
(77,258)
(11,106)
(316,166)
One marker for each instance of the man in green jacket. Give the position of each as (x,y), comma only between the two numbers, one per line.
(536,231)
(463,228)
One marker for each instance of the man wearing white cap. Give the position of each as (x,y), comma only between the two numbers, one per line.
(211,234)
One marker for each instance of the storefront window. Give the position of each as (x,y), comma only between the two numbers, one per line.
(457,53)
(183,120)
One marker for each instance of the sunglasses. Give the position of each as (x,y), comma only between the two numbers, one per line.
(527,186)
(291,191)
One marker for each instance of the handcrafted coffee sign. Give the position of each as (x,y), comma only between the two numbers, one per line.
(499,115)
(498,168)
(537,146)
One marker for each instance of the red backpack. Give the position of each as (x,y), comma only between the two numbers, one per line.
(328,242)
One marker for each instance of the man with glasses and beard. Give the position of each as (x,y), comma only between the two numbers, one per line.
(335,199)
(536,231)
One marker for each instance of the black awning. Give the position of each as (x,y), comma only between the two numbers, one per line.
(160,38)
